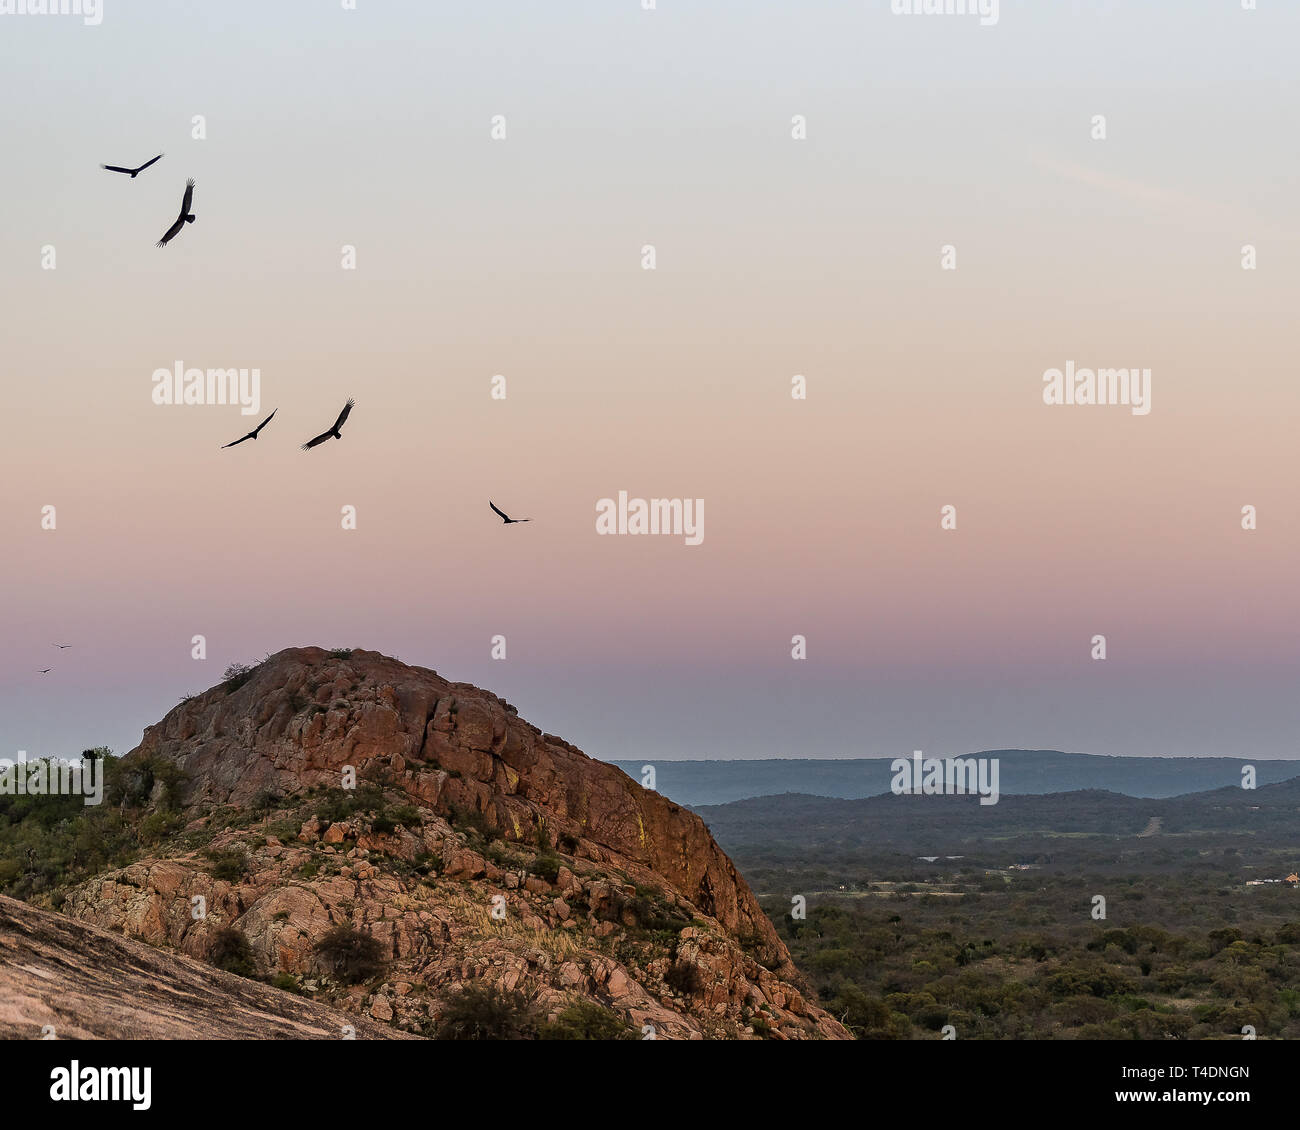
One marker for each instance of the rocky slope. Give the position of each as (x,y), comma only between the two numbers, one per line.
(472,847)
(66,980)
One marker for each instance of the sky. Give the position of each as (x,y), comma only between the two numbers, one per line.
(774,256)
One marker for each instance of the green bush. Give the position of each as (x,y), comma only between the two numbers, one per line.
(472,821)
(683,978)
(229,950)
(286,831)
(586,1020)
(229,865)
(388,821)
(158,826)
(286,981)
(340,804)
(484,1012)
(351,955)
(426,862)
(265,800)
(546,865)
(134,783)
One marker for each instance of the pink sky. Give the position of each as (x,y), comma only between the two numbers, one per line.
(775,257)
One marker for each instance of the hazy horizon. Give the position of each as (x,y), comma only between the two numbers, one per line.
(821,257)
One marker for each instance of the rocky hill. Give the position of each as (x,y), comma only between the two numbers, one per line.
(339,794)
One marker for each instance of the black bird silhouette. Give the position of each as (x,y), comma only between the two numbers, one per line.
(333,433)
(186,216)
(45,671)
(504,517)
(60,646)
(134,172)
(251,435)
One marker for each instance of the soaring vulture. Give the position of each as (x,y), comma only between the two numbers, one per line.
(333,433)
(505,517)
(186,216)
(133,172)
(251,435)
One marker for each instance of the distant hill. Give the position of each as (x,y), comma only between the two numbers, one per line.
(948,824)
(1024,771)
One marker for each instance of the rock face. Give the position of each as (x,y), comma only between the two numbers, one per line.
(493,853)
(71,981)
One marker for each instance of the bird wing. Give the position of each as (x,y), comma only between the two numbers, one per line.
(239,440)
(344,414)
(319,439)
(148,163)
(171,233)
(262,424)
(116,169)
(501,512)
(189,196)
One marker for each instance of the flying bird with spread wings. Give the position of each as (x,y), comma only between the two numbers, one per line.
(334,432)
(505,517)
(133,172)
(186,216)
(251,435)
(61,646)
(45,670)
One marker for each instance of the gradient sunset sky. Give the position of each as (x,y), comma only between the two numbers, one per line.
(775,257)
